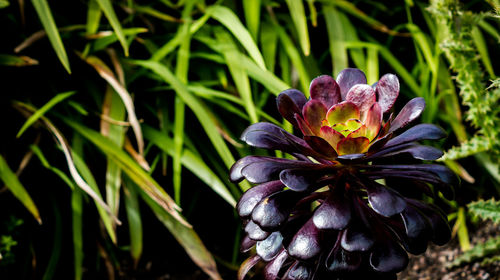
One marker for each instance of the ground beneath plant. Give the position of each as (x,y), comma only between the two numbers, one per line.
(433,264)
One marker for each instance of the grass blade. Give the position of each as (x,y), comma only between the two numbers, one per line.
(298,15)
(191,162)
(36,150)
(187,238)
(134,221)
(251,9)
(40,112)
(43,10)
(338,51)
(227,17)
(107,75)
(17,189)
(198,109)
(110,14)
(56,247)
(240,77)
(130,167)
(269,45)
(77,226)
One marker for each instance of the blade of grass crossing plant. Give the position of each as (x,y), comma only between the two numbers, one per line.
(227,17)
(130,167)
(372,65)
(251,9)
(43,10)
(298,15)
(269,45)
(295,58)
(38,153)
(110,14)
(114,109)
(55,253)
(482,48)
(89,178)
(77,226)
(194,104)
(187,238)
(17,189)
(108,75)
(191,162)
(40,112)
(240,77)
(134,221)
(338,51)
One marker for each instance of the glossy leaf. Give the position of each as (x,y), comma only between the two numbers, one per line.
(298,271)
(388,257)
(387,91)
(255,232)
(330,135)
(373,121)
(353,145)
(362,95)
(274,210)
(412,110)
(254,195)
(269,248)
(357,238)
(290,102)
(306,243)
(349,77)
(314,113)
(340,113)
(340,260)
(385,201)
(326,90)
(273,268)
(417,133)
(333,213)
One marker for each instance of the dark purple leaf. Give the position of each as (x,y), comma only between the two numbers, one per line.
(298,271)
(314,113)
(273,268)
(320,145)
(387,91)
(340,260)
(348,78)
(441,232)
(410,112)
(305,245)
(235,171)
(301,179)
(274,210)
(357,238)
(303,126)
(247,244)
(443,172)
(418,152)
(269,248)
(287,105)
(269,168)
(326,90)
(255,232)
(254,195)
(333,213)
(362,95)
(269,136)
(388,257)
(247,265)
(418,231)
(385,201)
(419,132)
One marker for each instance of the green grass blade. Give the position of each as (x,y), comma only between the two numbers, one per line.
(298,15)
(40,112)
(38,153)
(142,178)
(227,17)
(134,221)
(482,48)
(89,178)
(10,179)
(334,27)
(198,109)
(372,65)
(269,45)
(240,77)
(192,162)
(110,14)
(43,10)
(114,109)
(251,8)
(187,238)
(77,228)
(295,58)
(94,14)
(55,253)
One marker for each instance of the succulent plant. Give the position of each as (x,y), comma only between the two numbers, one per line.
(347,201)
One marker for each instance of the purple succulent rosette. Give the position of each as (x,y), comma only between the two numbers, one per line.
(348,204)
